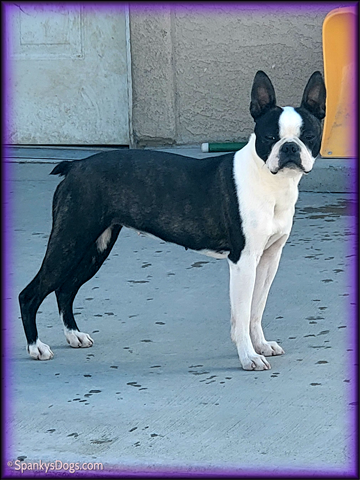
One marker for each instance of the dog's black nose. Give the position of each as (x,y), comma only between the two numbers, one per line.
(290,148)
(289,156)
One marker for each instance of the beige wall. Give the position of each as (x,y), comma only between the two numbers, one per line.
(192,69)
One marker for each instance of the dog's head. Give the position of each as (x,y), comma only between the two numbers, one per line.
(288,138)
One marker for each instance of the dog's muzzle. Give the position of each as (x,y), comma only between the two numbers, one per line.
(289,157)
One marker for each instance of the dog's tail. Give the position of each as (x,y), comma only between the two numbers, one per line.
(62,168)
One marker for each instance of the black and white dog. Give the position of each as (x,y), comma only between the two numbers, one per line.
(236,206)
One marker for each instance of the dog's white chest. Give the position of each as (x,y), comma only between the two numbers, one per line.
(280,224)
(266,203)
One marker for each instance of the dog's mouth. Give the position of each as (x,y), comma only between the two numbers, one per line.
(291,165)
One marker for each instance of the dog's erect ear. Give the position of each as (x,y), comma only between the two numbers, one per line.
(262,95)
(314,97)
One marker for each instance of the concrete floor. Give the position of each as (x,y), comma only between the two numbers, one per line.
(161,392)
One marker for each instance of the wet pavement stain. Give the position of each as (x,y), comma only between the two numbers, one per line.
(197,265)
(134,384)
(101,441)
(324,332)
(344,207)
(198,373)
(318,346)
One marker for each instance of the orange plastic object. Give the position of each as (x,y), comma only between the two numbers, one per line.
(339,43)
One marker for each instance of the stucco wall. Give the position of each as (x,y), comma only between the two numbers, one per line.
(192,68)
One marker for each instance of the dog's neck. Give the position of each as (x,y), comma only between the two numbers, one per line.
(253,179)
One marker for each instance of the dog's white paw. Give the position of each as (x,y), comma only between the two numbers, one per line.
(254,362)
(40,351)
(78,339)
(268,349)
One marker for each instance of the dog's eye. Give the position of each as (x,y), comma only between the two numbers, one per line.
(309,137)
(270,138)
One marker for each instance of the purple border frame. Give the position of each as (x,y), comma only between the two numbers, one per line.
(169,472)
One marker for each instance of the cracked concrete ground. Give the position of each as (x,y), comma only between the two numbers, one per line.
(161,390)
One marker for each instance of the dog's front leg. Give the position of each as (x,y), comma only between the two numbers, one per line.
(265,273)
(242,283)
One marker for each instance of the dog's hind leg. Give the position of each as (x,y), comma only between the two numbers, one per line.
(51,275)
(62,256)
(84,271)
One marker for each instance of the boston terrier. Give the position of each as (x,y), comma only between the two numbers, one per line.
(238,206)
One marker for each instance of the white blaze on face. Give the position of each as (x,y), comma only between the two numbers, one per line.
(290,123)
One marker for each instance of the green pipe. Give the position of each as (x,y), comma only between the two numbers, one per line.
(222,147)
